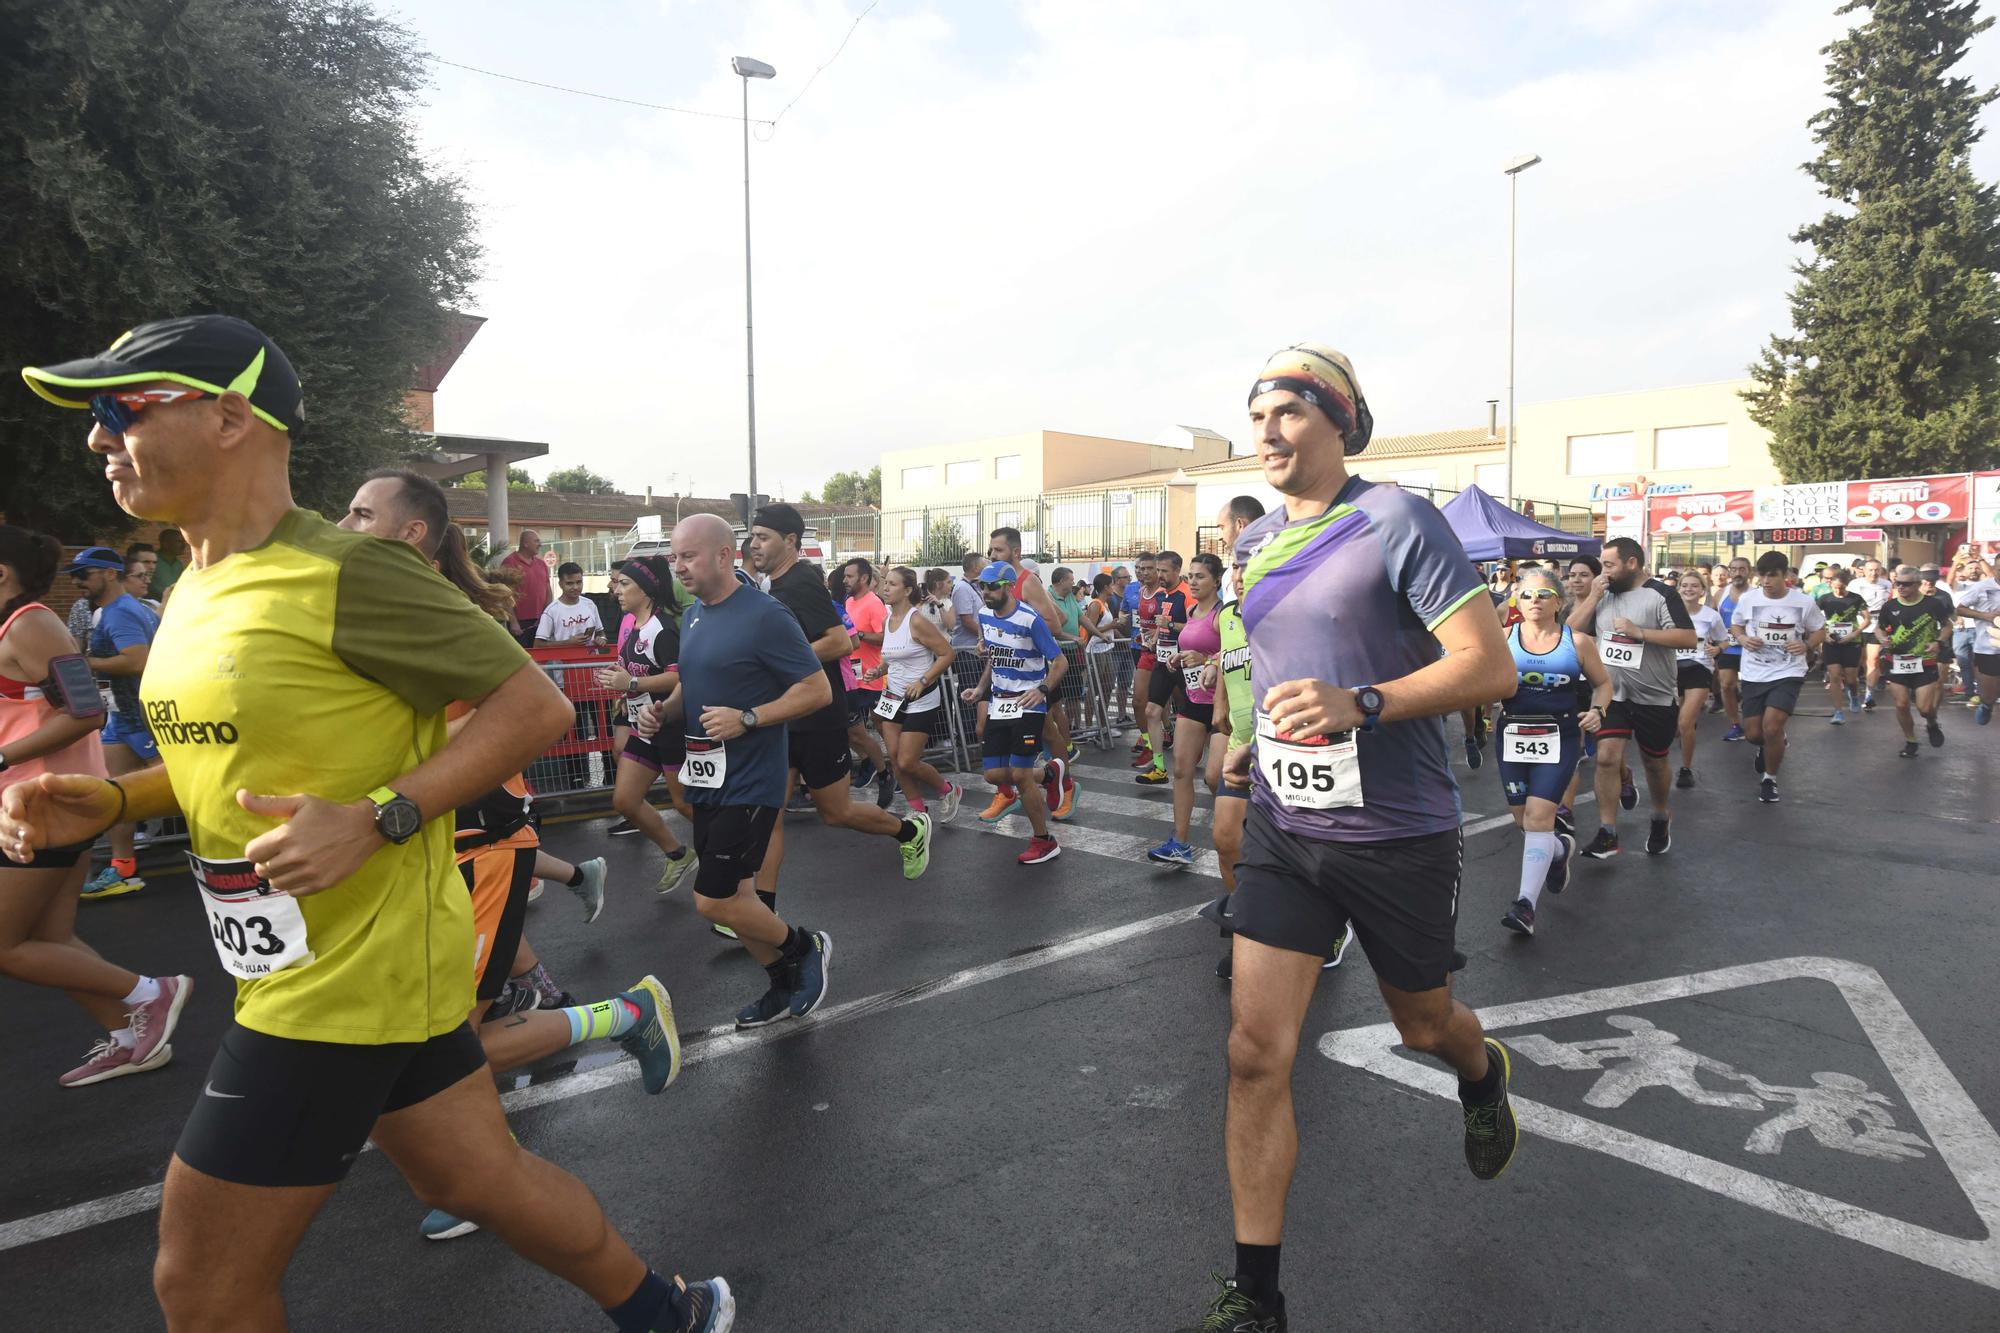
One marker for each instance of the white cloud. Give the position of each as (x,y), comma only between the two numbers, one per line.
(1100,218)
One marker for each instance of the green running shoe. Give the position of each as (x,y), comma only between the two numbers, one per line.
(1491,1132)
(917,851)
(654,1041)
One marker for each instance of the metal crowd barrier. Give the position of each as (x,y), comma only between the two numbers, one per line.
(1086,695)
(582,760)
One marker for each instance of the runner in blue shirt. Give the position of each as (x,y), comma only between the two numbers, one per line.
(1350,590)
(1024,665)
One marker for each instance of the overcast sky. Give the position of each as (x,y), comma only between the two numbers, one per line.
(1100,216)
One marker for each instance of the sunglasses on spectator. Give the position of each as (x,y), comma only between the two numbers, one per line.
(1536,594)
(116,411)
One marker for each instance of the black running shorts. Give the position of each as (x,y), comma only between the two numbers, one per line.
(1402,896)
(820,757)
(1841,654)
(1760,696)
(1693,676)
(731,841)
(279,1111)
(1160,686)
(1986,664)
(1914,680)
(1013,743)
(1654,726)
(52,858)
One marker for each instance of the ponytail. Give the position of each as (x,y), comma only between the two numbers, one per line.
(454,561)
(34,557)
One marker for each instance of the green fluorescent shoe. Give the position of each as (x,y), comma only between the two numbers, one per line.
(1491,1132)
(1234,1312)
(654,1041)
(917,851)
(676,869)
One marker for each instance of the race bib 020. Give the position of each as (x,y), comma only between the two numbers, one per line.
(1323,773)
(1617,650)
(706,764)
(256,929)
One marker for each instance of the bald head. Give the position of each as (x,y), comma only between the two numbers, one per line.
(704,556)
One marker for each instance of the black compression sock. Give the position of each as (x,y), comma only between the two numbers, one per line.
(657,1304)
(906,831)
(575,880)
(1257,1272)
(1487,1090)
(769,897)
(796,946)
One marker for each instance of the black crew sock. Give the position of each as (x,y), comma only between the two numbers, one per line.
(657,1304)
(1257,1272)
(769,897)
(1486,1091)
(796,946)
(906,831)
(575,880)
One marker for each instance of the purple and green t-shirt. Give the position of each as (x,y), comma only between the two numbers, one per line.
(1351,597)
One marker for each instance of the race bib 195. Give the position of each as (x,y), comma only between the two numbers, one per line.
(1323,773)
(257,930)
(706,764)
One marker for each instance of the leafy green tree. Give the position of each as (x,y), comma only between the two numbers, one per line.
(517,480)
(1893,368)
(580,480)
(247,156)
(944,544)
(850,488)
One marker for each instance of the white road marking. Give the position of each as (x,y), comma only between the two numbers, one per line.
(725,1039)
(1963,1137)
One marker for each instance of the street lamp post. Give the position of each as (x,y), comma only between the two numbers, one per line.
(748,69)
(1513,170)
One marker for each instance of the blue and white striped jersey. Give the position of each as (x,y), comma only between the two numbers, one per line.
(1021,648)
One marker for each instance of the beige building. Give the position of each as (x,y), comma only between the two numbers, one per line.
(1033,463)
(1694,437)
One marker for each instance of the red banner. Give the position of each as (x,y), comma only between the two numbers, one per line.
(1710,511)
(1909,501)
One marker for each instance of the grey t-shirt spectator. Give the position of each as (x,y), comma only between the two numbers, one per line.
(743,651)
(965,601)
(1651,605)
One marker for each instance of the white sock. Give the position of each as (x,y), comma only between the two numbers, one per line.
(126,1037)
(1538,851)
(147,991)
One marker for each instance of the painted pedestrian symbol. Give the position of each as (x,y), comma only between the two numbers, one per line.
(1838,1111)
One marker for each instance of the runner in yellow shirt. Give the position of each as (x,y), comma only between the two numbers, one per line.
(297,696)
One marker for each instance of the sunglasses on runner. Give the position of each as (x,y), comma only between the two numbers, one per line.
(1536,594)
(1907,583)
(116,411)
(995,586)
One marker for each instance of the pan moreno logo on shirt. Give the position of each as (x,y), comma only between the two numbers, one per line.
(163,717)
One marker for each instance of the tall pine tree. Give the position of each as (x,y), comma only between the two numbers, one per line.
(1893,368)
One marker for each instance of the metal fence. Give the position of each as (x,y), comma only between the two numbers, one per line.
(1072,526)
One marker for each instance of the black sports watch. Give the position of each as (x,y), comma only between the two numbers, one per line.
(1369,700)
(396,815)
(749,719)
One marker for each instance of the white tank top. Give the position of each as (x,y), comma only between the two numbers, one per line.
(1102,644)
(907,661)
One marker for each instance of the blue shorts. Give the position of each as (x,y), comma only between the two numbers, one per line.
(131,734)
(1547,781)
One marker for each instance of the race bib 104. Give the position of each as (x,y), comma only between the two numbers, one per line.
(1323,773)
(257,930)
(706,764)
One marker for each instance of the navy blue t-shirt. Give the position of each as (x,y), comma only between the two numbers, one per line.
(741,652)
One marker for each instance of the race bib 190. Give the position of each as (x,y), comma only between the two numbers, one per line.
(1620,651)
(257,930)
(706,764)
(1323,773)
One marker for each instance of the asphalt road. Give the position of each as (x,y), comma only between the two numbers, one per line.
(1009,1115)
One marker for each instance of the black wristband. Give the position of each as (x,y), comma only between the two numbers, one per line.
(119,818)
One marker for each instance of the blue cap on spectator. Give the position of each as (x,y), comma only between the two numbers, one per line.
(998,572)
(96,557)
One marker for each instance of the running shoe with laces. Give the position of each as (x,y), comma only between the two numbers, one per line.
(1153,777)
(812,970)
(1172,852)
(1143,759)
(623,828)
(917,851)
(774,1004)
(1735,733)
(1566,821)
(1767,791)
(108,1059)
(1054,775)
(1684,779)
(1982,713)
(1068,806)
(153,1022)
(1868,702)
(948,803)
(863,775)
(1839,718)
(717,928)
(514,998)
(799,803)
(1910,750)
(1659,837)
(591,892)
(1520,918)
(1471,752)
(1758,760)
(654,1041)
(535,888)
(1604,846)
(675,870)
(1003,804)
(1039,850)
(1558,877)
(711,1307)
(1628,792)
(885,791)
(1234,1311)
(440,1225)
(1933,732)
(108,883)
(1491,1132)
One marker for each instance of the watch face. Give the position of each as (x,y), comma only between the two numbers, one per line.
(399,819)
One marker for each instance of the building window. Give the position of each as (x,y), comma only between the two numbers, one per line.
(962,474)
(913,530)
(1491,478)
(1007,518)
(1591,454)
(1006,467)
(1690,447)
(919,478)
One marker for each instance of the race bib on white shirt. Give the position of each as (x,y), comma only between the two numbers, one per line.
(706,764)
(1777,636)
(104,693)
(1531,741)
(1903,664)
(1620,651)
(888,704)
(257,930)
(1004,708)
(1319,774)
(1695,655)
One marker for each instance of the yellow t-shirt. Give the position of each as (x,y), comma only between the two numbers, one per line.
(321,662)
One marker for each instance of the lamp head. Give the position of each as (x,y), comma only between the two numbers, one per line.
(1521,163)
(751,69)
